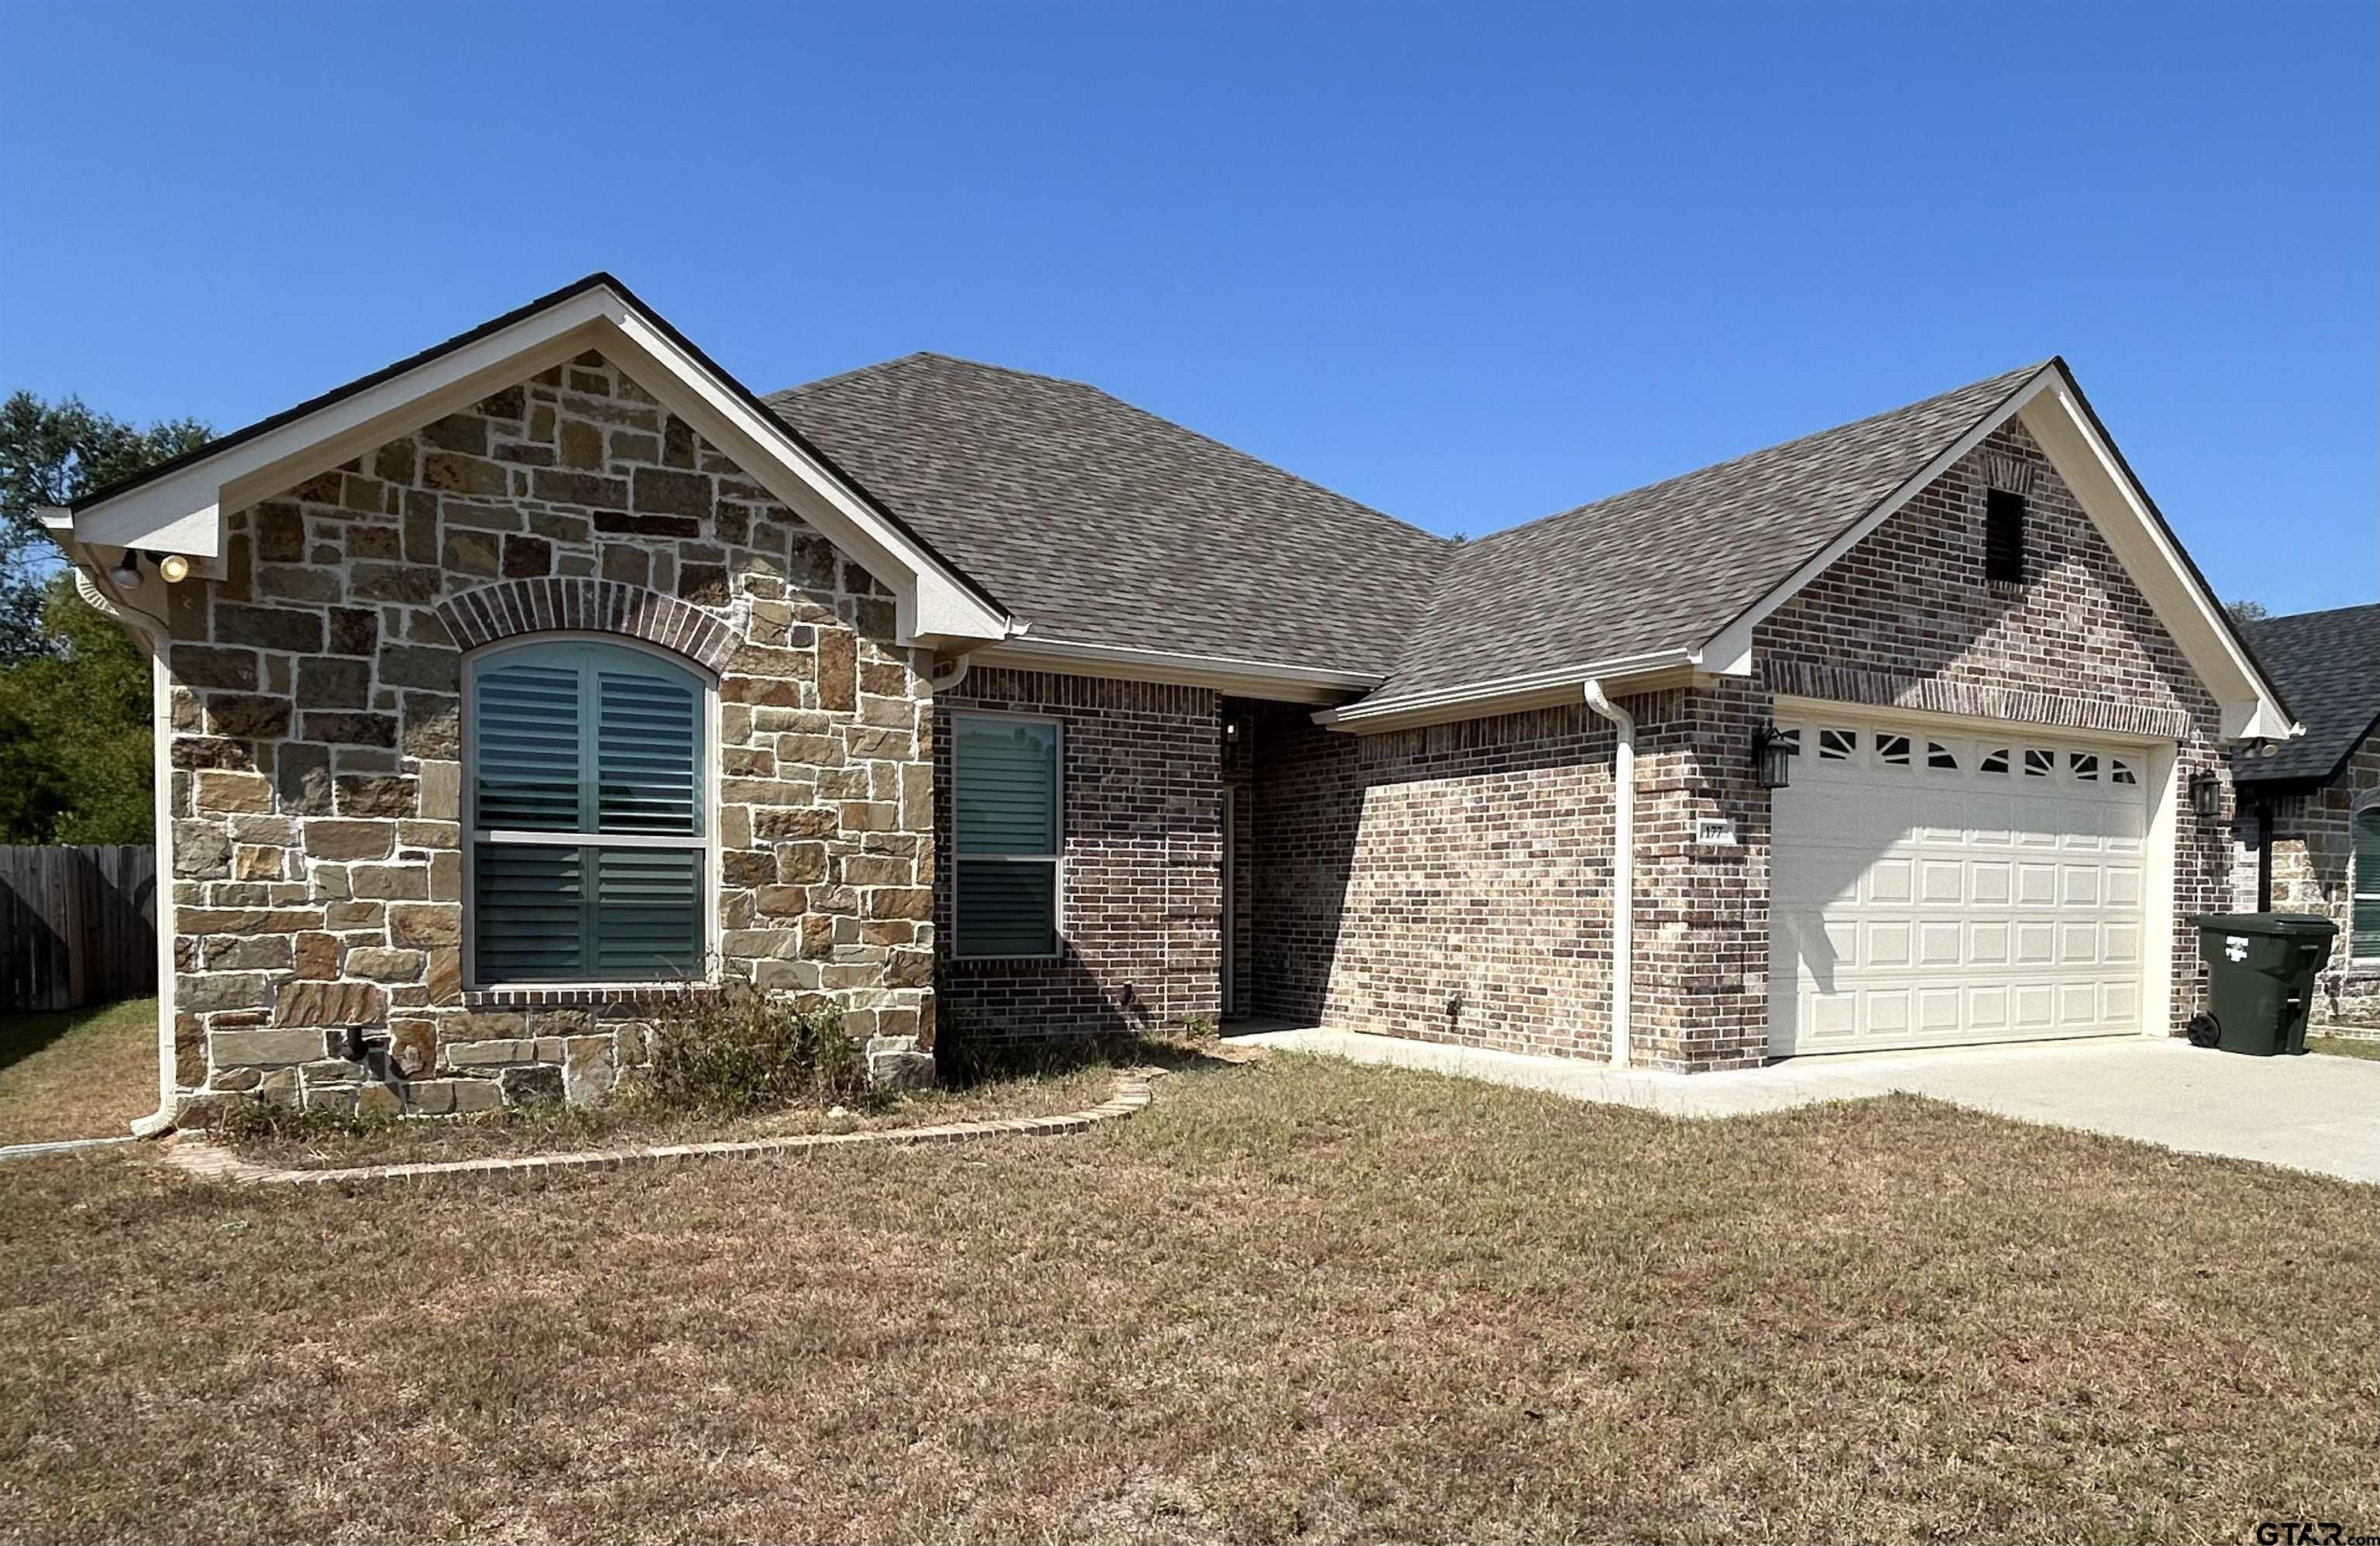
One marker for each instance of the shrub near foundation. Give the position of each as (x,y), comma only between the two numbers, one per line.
(739,1052)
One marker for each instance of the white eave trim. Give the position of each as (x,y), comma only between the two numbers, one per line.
(2046,403)
(1505,695)
(1234,676)
(182,511)
(2120,508)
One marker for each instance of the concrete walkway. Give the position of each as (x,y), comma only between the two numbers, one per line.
(2314,1113)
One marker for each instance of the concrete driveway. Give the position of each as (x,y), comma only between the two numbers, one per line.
(2314,1113)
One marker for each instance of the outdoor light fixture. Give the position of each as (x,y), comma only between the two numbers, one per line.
(125,576)
(2206,795)
(1772,758)
(172,565)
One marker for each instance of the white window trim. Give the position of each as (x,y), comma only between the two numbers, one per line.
(706,843)
(1057,861)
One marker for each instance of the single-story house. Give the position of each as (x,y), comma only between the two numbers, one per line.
(509,690)
(2309,812)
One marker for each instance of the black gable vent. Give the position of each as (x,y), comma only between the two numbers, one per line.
(2003,536)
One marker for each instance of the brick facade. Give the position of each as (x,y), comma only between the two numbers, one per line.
(1909,615)
(317,781)
(1452,883)
(1140,885)
(2312,873)
(1449,883)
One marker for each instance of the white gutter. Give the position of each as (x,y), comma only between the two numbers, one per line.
(1623,863)
(1478,699)
(151,633)
(1230,675)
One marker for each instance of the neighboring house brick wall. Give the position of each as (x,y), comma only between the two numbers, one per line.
(317,778)
(1140,900)
(2312,873)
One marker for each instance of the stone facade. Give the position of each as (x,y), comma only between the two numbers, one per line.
(317,781)
(1140,883)
(2312,873)
(1452,883)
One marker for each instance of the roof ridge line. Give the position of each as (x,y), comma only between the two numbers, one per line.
(1133,407)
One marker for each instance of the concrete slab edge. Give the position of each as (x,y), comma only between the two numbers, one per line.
(211,1161)
(60,1146)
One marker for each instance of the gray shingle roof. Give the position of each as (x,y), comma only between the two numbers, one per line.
(1098,523)
(2327,665)
(1671,565)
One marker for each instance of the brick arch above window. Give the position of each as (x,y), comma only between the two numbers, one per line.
(510,607)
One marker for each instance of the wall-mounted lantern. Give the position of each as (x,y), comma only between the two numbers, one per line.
(2206,797)
(1772,757)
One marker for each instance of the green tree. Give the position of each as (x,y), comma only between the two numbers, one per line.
(2248,612)
(73,730)
(74,686)
(50,453)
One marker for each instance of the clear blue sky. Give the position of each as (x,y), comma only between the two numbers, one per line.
(1469,264)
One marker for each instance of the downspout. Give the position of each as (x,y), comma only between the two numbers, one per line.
(1623,863)
(150,632)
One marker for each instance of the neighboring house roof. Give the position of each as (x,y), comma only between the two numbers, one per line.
(1671,565)
(1100,523)
(2327,663)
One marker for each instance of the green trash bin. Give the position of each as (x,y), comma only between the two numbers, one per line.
(2259,972)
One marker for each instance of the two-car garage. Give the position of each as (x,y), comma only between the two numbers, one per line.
(1937,886)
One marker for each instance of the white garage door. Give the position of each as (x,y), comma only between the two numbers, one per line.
(1932,889)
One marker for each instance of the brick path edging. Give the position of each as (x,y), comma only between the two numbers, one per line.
(213,1161)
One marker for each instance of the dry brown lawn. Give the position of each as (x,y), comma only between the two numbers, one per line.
(1300,1300)
(82,1073)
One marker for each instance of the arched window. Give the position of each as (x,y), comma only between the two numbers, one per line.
(589,837)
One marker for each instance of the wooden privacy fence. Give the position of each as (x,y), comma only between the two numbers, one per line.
(78,926)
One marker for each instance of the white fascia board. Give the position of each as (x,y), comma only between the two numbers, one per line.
(1227,675)
(1505,695)
(2046,405)
(933,603)
(1731,650)
(181,511)
(2120,508)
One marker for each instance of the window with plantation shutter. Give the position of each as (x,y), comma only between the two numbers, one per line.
(1007,829)
(2363,945)
(588,836)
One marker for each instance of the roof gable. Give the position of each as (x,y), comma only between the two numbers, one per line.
(179,507)
(1668,566)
